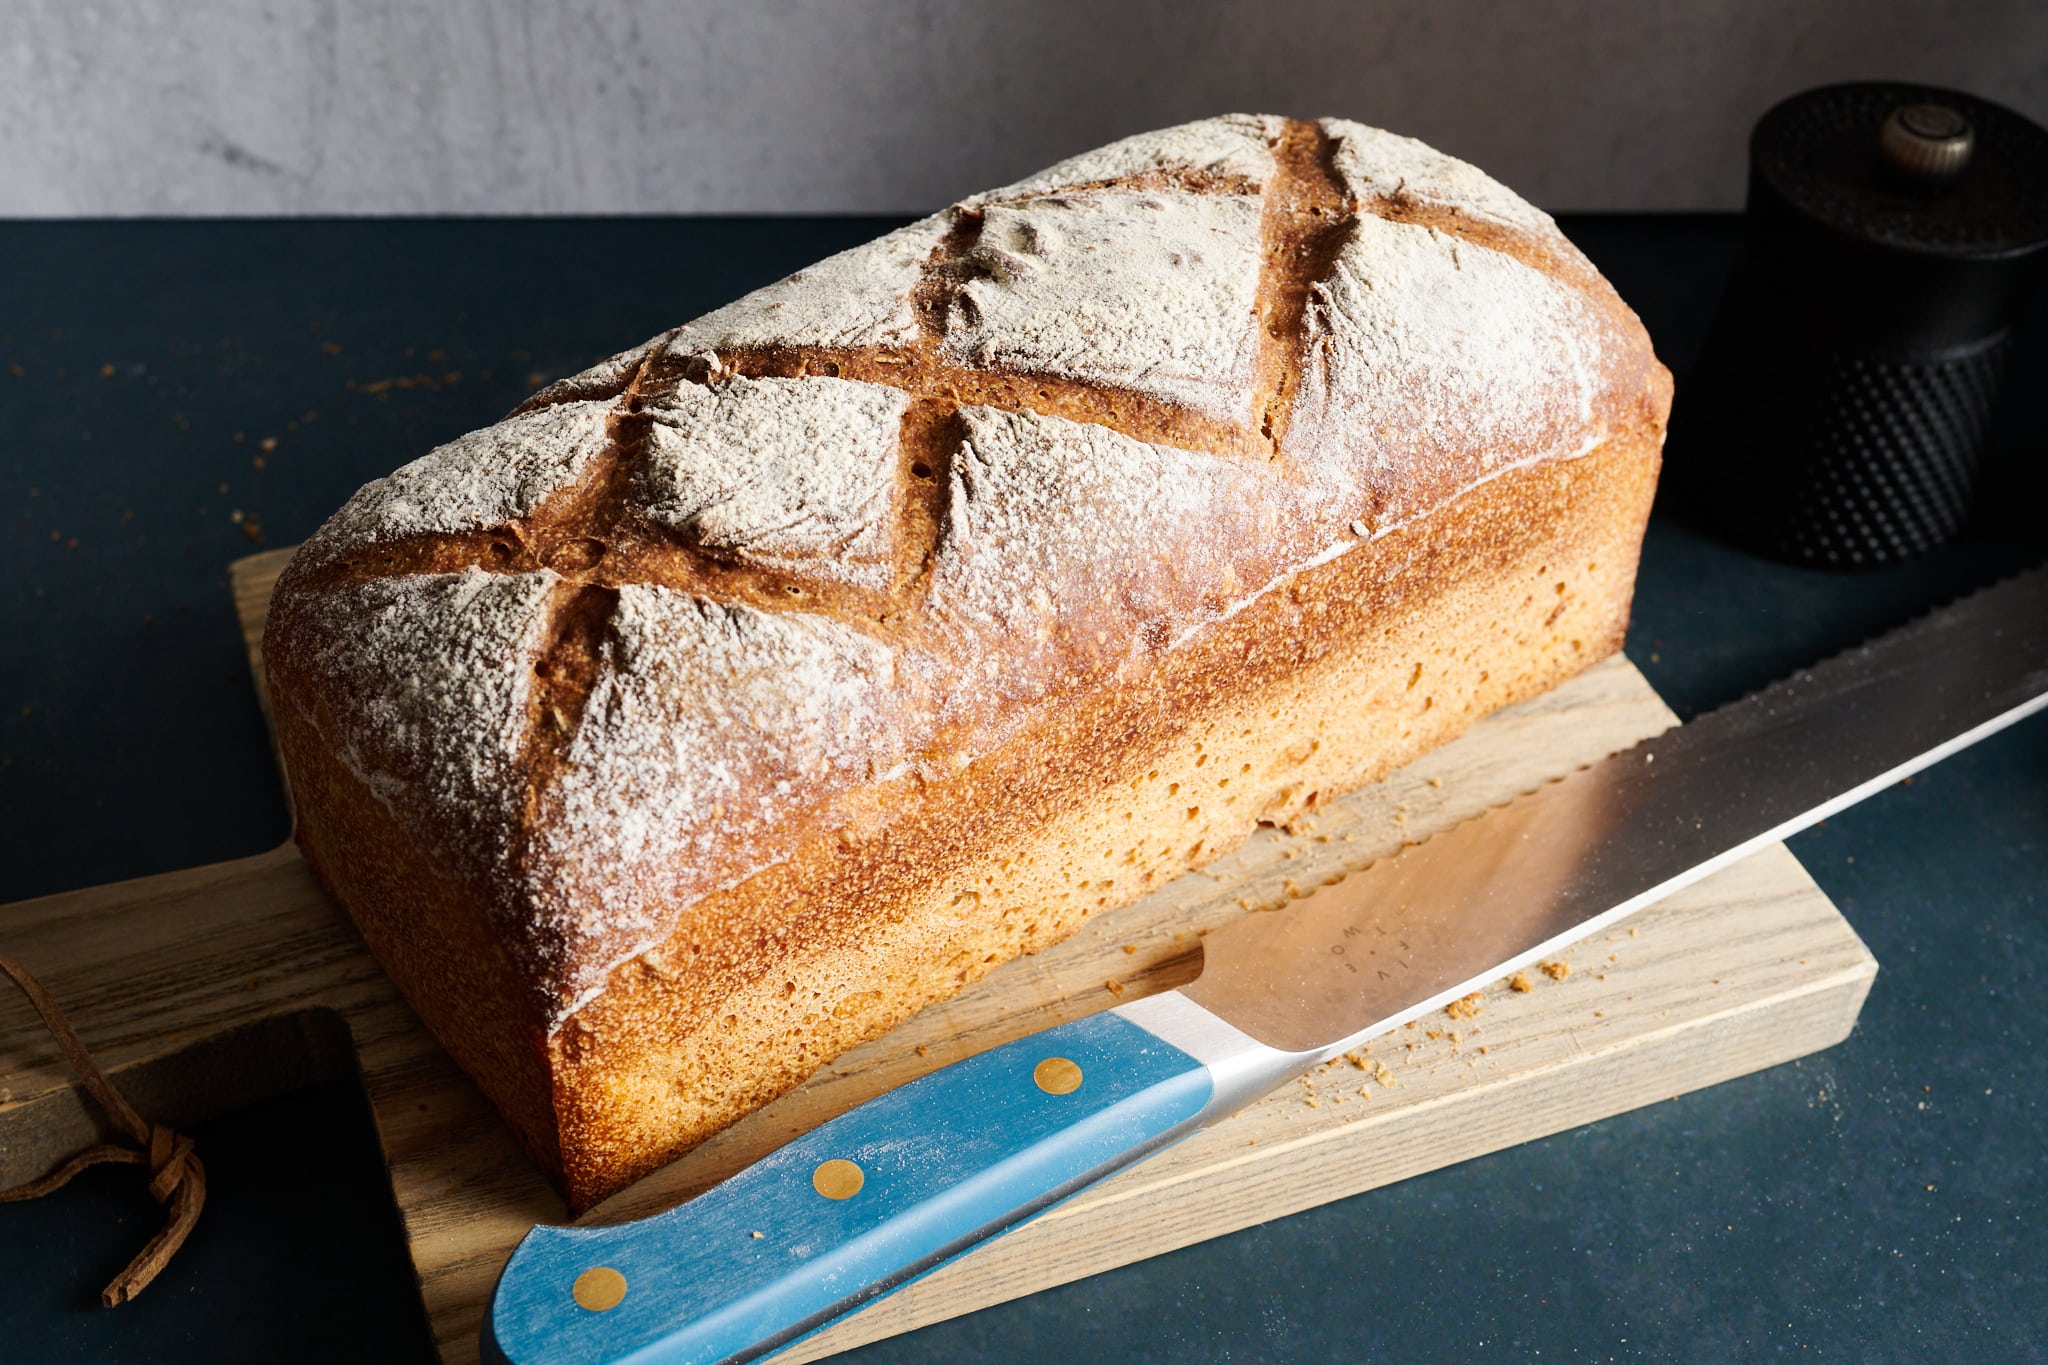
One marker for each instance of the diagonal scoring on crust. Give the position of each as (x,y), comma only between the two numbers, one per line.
(1304,213)
(591,532)
(1305,217)
(592,536)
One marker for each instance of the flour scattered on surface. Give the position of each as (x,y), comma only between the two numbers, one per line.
(1154,292)
(786,473)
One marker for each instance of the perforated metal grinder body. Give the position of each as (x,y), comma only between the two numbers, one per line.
(1893,233)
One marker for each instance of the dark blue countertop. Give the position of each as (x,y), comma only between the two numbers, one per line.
(172,395)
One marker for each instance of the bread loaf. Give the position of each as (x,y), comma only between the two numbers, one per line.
(734,699)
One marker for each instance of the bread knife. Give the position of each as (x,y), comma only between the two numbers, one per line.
(889,1190)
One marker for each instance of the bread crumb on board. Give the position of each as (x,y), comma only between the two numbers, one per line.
(1556,971)
(1520,982)
(1466,1006)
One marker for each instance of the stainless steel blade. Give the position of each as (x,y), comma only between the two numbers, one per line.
(1498,892)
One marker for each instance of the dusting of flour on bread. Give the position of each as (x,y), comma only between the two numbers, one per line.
(1434,354)
(719,469)
(860,297)
(1236,146)
(1058,530)
(440,675)
(1374,163)
(1151,291)
(485,479)
(604,380)
(704,720)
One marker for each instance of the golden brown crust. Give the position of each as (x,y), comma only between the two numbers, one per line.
(1362,665)
(478,665)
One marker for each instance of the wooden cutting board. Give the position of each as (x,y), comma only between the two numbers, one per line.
(209,988)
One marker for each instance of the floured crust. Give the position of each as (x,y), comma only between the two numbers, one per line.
(435,719)
(659,774)
(717,471)
(1432,364)
(860,297)
(1154,291)
(485,479)
(1234,150)
(1107,592)
(1372,163)
(759,586)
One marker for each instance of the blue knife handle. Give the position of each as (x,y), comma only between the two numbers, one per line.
(853,1209)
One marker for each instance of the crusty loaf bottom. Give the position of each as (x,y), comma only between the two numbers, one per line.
(1347,672)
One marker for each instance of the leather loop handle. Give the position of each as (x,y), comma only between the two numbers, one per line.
(176,1176)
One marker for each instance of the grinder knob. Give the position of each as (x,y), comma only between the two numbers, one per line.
(1928,143)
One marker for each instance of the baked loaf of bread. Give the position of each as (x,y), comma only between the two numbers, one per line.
(733,700)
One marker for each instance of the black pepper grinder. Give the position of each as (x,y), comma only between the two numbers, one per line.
(1838,414)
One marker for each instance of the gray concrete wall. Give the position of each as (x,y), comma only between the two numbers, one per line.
(589,106)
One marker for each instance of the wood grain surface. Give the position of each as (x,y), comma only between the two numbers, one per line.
(204,989)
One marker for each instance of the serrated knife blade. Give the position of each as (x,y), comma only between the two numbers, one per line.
(889,1190)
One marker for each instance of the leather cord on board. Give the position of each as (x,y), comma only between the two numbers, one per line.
(175,1175)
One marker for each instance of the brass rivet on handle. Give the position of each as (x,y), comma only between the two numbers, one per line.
(599,1288)
(1057,1076)
(838,1179)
